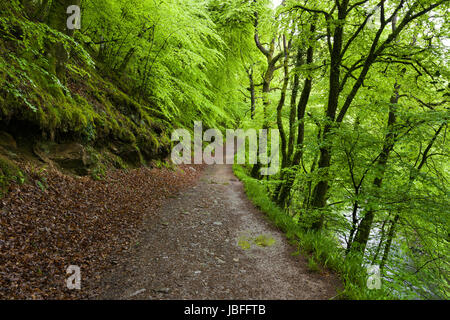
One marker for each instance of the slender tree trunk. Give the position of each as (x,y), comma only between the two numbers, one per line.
(321,189)
(354,225)
(380,243)
(292,134)
(289,178)
(293,105)
(390,237)
(126,60)
(268,76)
(280,106)
(252,92)
(362,235)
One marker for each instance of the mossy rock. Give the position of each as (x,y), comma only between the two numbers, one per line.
(69,156)
(9,172)
(129,153)
(7,141)
(114,160)
(7,167)
(148,146)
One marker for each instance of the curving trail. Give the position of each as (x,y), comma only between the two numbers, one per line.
(210,242)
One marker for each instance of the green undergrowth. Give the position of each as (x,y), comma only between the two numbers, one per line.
(323,250)
(86,107)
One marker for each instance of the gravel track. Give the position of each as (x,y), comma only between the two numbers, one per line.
(203,244)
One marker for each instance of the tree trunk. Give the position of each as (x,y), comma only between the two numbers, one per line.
(268,76)
(321,189)
(362,235)
(126,60)
(390,237)
(281,105)
(289,178)
(292,118)
(252,93)
(380,243)
(354,226)
(57,19)
(293,109)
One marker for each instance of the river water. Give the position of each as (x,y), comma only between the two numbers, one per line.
(399,263)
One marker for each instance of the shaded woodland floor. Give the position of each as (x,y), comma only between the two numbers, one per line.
(77,221)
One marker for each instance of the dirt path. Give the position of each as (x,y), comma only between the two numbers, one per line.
(201,244)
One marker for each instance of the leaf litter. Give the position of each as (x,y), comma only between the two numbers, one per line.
(76,221)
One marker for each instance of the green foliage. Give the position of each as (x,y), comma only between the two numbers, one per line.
(92,110)
(136,70)
(168,52)
(372,145)
(312,265)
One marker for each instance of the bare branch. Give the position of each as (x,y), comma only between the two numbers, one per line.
(299,6)
(261,48)
(356,5)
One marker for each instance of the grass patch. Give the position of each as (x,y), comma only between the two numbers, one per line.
(244,243)
(264,241)
(313,265)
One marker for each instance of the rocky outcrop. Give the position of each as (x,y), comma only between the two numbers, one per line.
(69,156)
(7,141)
(128,152)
